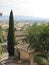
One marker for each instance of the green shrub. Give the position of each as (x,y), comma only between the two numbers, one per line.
(37,60)
(1,50)
(40,60)
(45,61)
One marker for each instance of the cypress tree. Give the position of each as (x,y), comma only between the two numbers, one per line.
(11,37)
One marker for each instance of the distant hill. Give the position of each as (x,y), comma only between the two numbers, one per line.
(25,19)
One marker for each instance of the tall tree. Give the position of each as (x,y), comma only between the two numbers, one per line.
(11,37)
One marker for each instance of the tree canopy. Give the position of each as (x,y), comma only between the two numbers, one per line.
(38,38)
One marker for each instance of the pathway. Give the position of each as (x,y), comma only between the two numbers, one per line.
(8,61)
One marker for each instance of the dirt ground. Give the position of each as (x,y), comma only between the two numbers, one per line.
(14,62)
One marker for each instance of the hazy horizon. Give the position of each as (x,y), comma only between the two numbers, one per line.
(23,18)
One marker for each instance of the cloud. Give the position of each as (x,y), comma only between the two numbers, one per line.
(38,8)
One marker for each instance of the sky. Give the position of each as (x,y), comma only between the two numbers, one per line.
(35,8)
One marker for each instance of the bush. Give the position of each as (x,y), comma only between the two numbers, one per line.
(45,61)
(37,60)
(1,50)
(40,60)
(38,38)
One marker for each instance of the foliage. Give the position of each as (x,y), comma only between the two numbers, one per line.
(6,30)
(1,35)
(1,50)
(44,40)
(40,60)
(11,36)
(38,38)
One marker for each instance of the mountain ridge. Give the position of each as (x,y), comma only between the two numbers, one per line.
(25,18)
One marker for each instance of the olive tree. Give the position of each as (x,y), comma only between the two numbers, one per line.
(38,38)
